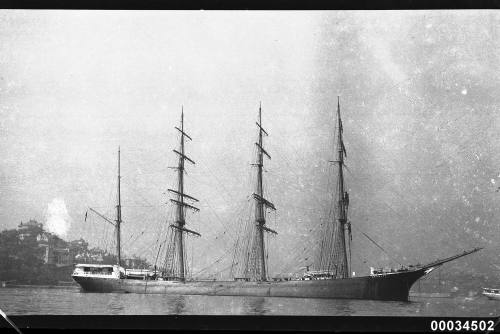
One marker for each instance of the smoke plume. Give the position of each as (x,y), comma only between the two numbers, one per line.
(58,219)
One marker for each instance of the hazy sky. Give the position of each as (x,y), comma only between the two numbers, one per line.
(419,97)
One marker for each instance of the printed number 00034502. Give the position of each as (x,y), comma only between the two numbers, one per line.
(461,325)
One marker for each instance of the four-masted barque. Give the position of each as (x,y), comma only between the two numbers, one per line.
(331,279)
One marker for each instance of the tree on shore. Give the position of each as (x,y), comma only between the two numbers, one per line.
(21,259)
(23,256)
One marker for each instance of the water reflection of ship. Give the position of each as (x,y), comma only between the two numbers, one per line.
(115,304)
(177,305)
(343,307)
(254,306)
(330,279)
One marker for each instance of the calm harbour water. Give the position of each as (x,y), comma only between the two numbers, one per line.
(64,301)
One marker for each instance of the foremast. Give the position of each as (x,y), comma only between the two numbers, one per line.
(118,215)
(343,204)
(260,270)
(333,254)
(176,254)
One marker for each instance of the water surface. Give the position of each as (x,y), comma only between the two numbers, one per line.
(71,301)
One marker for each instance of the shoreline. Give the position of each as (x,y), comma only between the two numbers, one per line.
(46,286)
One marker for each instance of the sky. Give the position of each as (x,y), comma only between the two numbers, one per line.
(418,93)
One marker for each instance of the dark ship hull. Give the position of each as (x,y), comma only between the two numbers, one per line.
(386,286)
(394,286)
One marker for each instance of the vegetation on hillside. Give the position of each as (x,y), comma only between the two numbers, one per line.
(22,259)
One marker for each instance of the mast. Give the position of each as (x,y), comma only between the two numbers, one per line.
(118,221)
(333,257)
(260,202)
(343,201)
(118,215)
(181,206)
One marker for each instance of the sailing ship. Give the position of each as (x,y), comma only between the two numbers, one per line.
(251,279)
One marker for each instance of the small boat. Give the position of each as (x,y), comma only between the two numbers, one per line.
(491,293)
(4,284)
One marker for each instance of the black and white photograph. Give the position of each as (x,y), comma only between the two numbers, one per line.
(261,163)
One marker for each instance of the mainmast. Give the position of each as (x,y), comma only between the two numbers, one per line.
(343,202)
(260,202)
(118,215)
(179,268)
